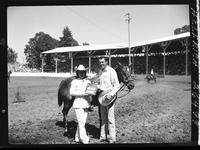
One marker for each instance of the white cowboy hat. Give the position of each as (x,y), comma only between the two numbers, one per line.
(81,68)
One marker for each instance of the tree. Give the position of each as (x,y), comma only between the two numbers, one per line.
(40,43)
(185,28)
(11,55)
(67,38)
(85,43)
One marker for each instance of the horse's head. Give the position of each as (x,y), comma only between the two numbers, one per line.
(124,75)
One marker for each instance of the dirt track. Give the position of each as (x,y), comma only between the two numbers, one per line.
(151,113)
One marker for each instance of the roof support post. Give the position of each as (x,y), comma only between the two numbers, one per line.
(89,60)
(134,49)
(72,65)
(89,64)
(164,46)
(56,69)
(184,43)
(164,61)
(132,65)
(71,57)
(146,49)
(109,57)
(42,65)
(186,55)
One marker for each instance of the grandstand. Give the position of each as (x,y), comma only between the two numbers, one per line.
(168,55)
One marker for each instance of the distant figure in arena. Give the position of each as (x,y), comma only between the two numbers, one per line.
(152,73)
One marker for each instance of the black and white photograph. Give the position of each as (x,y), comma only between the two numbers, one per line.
(109,74)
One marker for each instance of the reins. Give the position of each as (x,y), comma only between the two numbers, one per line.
(121,88)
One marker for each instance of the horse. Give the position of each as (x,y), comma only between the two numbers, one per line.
(67,100)
(150,77)
(8,75)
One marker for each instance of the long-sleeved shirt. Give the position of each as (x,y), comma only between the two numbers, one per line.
(77,89)
(109,80)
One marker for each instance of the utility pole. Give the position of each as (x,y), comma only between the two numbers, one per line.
(129,49)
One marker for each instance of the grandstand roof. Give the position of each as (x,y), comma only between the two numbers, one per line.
(114,46)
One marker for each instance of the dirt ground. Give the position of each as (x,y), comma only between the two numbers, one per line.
(151,113)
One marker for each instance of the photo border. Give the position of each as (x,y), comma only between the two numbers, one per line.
(194,64)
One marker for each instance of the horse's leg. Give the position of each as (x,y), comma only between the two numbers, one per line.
(65,111)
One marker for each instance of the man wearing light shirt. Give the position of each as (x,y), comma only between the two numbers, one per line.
(108,82)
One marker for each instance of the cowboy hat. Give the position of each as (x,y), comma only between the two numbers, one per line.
(81,68)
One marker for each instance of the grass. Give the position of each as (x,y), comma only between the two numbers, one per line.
(151,113)
(18,97)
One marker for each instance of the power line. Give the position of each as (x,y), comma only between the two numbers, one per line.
(91,22)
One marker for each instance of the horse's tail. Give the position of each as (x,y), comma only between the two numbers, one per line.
(60,100)
(60,97)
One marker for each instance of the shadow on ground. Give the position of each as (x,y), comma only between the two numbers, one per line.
(92,130)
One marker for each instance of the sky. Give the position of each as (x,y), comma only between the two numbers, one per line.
(94,24)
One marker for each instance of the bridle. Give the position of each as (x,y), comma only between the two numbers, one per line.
(129,78)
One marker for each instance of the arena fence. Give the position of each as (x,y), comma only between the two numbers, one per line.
(44,74)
